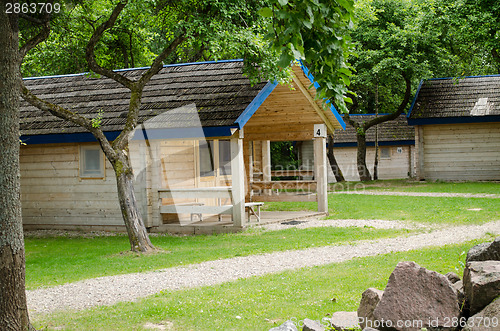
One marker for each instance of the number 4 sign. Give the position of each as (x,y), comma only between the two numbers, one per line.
(319,131)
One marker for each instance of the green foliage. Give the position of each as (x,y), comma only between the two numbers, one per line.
(395,37)
(96,121)
(284,155)
(473,34)
(317,32)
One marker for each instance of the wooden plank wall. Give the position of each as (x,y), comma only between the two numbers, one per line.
(53,194)
(398,166)
(462,151)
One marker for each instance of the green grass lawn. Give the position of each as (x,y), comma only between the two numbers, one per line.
(430,210)
(58,260)
(404,185)
(259,303)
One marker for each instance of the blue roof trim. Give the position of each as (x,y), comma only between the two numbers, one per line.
(415,98)
(370,114)
(57,138)
(462,77)
(454,120)
(316,85)
(194,132)
(86,137)
(255,104)
(139,68)
(380,143)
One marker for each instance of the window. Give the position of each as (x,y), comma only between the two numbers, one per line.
(91,162)
(224,157)
(215,155)
(385,153)
(206,158)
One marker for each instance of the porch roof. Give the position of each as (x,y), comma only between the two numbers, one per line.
(183,100)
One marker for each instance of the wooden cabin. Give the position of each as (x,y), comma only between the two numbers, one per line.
(457,128)
(396,140)
(204,130)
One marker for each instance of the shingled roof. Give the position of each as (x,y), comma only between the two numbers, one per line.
(469,99)
(219,91)
(391,132)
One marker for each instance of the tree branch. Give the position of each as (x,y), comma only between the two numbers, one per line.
(40,37)
(96,36)
(400,110)
(158,62)
(65,114)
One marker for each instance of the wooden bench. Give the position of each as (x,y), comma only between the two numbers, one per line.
(200,215)
(249,206)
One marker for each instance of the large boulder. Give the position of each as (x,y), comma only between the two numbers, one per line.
(311,325)
(416,298)
(369,301)
(344,320)
(485,252)
(481,283)
(486,319)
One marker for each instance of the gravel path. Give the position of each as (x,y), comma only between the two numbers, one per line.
(129,287)
(344,223)
(422,194)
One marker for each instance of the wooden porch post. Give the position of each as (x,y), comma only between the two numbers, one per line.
(238,179)
(419,152)
(266,163)
(320,171)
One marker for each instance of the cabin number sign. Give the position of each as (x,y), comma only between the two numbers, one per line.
(319,131)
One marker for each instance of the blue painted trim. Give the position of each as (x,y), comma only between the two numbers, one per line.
(454,120)
(380,143)
(255,104)
(316,85)
(139,68)
(483,76)
(369,114)
(86,137)
(57,138)
(194,132)
(415,98)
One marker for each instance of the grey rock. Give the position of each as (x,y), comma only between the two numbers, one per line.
(310,325)
(417,296)
(485,252)
(369,301)
(287,326)
(462,303)
(369,329)
(344,320)
(486,319)
(481,283)
(452,277)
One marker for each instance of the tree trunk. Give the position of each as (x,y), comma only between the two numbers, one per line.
(137,234)
(13,309)
(339,177)
(364,173)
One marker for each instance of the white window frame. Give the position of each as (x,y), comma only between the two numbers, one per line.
(385,157)
(81,167)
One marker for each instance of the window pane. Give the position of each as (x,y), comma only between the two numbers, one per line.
(206,158)
(225,157)
(91,164)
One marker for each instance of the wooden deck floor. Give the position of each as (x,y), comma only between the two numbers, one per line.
(211,225)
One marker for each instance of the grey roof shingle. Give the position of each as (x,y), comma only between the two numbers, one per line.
(396,130)
(464,97)
(219,91)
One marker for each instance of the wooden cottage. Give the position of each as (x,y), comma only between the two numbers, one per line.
(204,130)
(396,150)
(457,128)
